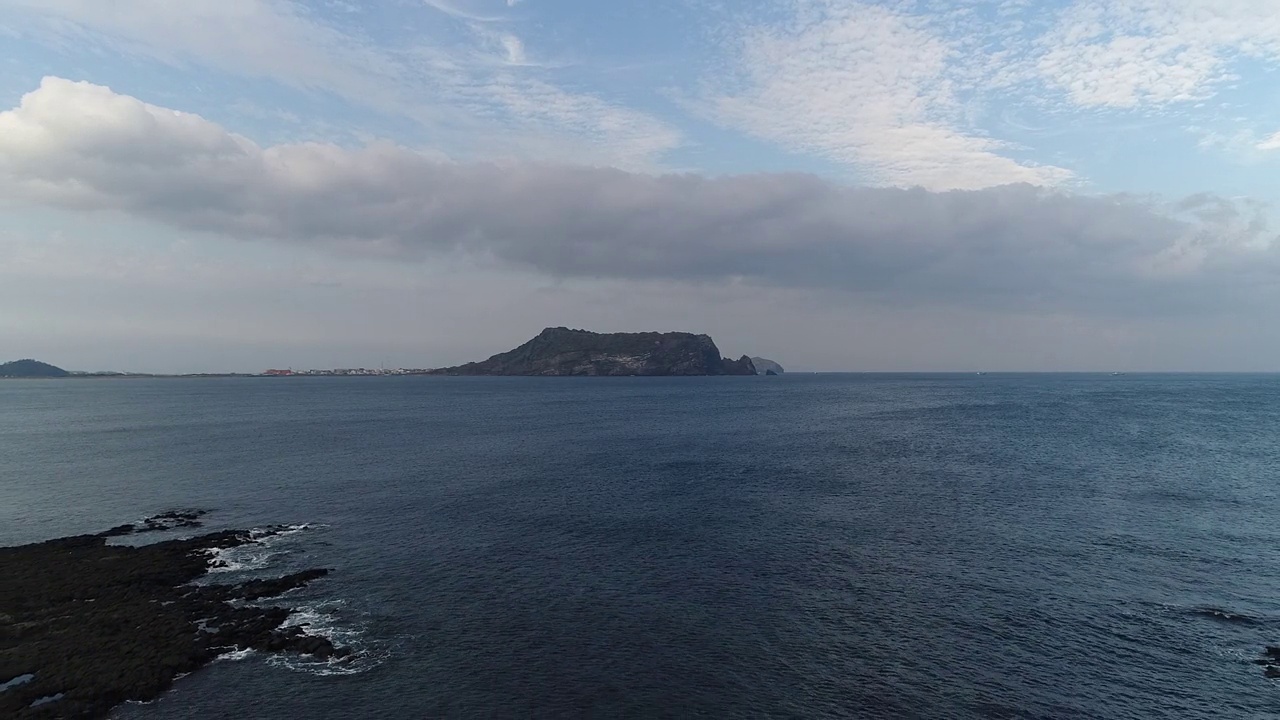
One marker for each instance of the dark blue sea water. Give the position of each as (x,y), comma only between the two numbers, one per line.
(1048,546)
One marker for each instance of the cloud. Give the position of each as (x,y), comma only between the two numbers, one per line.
(1243,145)
(515,49)
(471,100)
(257,38)
(899,90)
(618,135)
(867,86)
(1154,52)
(81,146)
(453,9)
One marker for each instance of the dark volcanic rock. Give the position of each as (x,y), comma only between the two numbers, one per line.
(98,624)
(1270,662)
(561,351)
(741,366)
(171,520)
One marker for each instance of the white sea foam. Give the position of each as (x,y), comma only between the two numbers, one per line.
(46,700)
(332,619)
(280,531)
(265,545)
(239,559)
(322,618)
(234,655)
(15,682)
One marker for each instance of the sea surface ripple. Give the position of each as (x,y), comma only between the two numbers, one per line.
(806,546)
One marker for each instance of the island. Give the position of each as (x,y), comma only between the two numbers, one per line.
(560,351)
(554,351)
(86,624)
(31,369)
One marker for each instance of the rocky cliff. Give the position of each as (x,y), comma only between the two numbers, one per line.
(561,351)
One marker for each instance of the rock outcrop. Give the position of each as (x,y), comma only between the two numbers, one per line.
(561,351)
(1270,662)
(85,625)
(764,365)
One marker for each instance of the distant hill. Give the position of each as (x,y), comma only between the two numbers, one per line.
(561,351)
(763,365)
(31,369)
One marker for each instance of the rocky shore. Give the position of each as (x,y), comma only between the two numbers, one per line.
(1270,662)
(85,625)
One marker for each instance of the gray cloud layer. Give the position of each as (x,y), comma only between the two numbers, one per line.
(77,145)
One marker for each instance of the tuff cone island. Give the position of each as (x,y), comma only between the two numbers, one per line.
(561,351)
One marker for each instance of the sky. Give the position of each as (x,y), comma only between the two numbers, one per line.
(904,185)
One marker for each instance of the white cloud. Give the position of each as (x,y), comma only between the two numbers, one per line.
(1154,52)
(626,138)
(474,105)
(867,86)
(461,12)
(899,89)
(1242,145)
(515,49)
(250,37)
(81,146)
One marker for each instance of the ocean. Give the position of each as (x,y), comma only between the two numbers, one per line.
(803,546)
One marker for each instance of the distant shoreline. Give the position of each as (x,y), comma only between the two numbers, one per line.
(920,373)
(207,376)
(217,376)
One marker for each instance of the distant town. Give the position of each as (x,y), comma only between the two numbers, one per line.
(288,372)
(345,371)
(34,369)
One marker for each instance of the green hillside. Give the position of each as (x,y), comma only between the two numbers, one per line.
(31,369)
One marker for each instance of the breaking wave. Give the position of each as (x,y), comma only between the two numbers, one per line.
(343,626)
(267,544)
(328,618)
(235,655)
